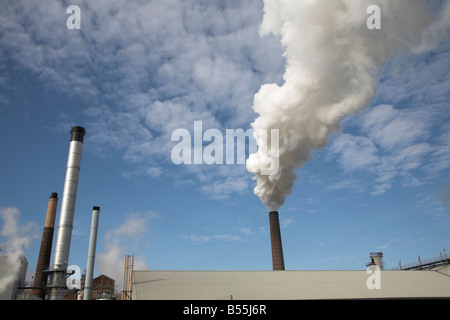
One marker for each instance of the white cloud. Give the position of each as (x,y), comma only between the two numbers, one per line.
(132,228)
(387,244)
(147,68)
(379,189)
(440,155)
(122,241)
(350,183)
(201,239)
(443,194)
(286,222)
(393,143)
(355,152)
(408,125)
(246,230)
(392,128)
(224,186)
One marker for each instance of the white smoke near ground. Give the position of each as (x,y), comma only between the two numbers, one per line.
(123,241)
(15,240)
(332,59)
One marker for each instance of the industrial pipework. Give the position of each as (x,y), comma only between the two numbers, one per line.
(91,254)
(61,255)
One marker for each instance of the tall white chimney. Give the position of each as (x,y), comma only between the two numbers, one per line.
(62,248)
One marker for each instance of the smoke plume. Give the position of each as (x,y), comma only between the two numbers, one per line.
(17,239)
(332,58)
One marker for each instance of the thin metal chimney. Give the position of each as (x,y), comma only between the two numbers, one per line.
(43,263)
(127,277)
(60,262)
(275,239)
(91,254)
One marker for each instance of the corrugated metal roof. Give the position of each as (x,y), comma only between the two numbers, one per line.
(286,285)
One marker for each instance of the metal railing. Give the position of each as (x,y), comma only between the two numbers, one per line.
(423,263)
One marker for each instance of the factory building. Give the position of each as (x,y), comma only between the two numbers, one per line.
(431,280)
(426,279)
(290,285)
(102,288)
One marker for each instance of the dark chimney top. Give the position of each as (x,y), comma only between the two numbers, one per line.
(77,133)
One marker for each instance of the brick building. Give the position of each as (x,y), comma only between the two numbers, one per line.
(102,287)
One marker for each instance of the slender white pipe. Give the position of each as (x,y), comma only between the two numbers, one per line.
(91,254)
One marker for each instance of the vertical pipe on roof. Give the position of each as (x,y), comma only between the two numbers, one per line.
(124,277)
(130,276)
(127,277)
(91,254)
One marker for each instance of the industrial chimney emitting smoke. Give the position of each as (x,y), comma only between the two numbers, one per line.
(275,239)
(43,263)
(91,254)
(61,255)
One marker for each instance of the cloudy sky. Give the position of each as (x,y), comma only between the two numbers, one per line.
(138,70)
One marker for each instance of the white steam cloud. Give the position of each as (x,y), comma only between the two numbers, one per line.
(16,239)
(332,59)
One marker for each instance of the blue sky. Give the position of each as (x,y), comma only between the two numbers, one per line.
(135,72)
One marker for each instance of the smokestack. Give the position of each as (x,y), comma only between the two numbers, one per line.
(127,277)
(60,263)
(91,254)
(43,263)
(275,239)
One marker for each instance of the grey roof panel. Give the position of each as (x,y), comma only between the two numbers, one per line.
(286,285)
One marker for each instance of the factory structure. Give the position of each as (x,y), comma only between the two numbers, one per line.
(427,279)
(50,281)
(431,282)
(289,285)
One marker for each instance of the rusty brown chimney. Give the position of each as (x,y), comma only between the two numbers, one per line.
(40,277)
(275,239)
